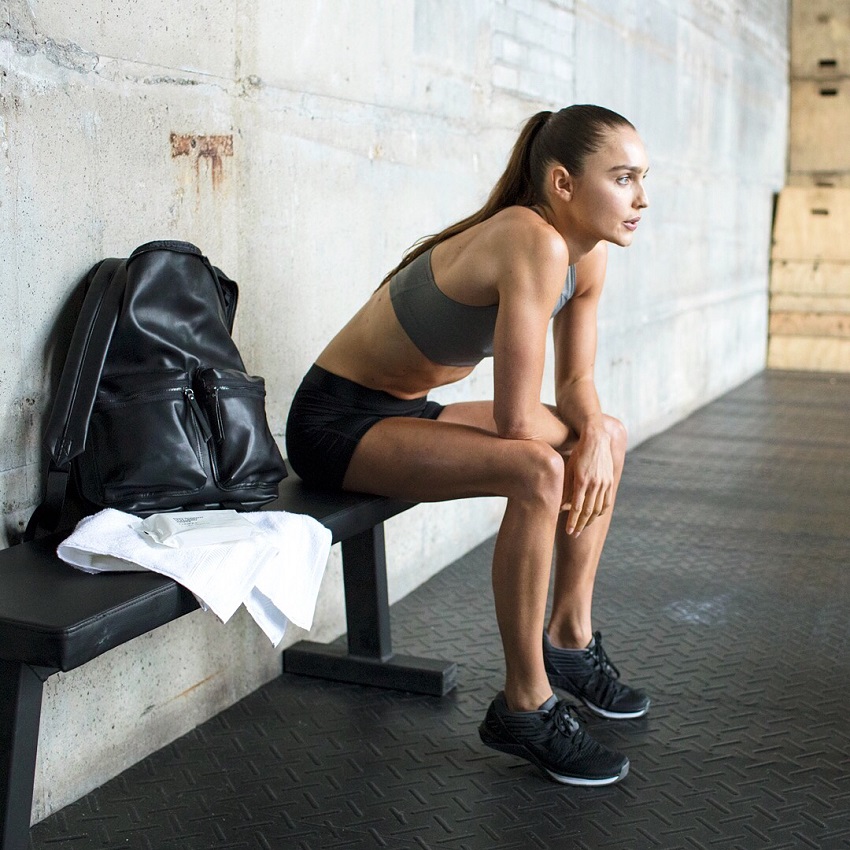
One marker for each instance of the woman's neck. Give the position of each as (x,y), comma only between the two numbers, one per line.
(577,247)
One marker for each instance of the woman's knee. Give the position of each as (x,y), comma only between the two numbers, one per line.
(540,474)
(619,439)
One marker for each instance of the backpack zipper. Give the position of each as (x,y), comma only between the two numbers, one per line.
(206,431)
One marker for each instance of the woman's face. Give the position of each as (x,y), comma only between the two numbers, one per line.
(608,196)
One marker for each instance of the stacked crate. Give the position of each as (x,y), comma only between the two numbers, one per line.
(810,276)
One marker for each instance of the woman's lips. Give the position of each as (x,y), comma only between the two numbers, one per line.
(631,224)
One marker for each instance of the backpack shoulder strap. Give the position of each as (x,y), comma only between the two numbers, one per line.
(67,427)
(65,435)
(229,296)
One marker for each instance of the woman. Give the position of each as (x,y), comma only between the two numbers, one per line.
(489,285)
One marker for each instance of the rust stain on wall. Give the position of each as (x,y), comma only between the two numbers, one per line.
(181,695)
(210,148)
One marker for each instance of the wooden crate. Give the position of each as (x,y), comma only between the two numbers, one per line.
(810,269)
(811,354)
(820,38)
(810,324)
(823,179)
(809,316)
(813,304)
(818,279)
(812,224)
(819,138)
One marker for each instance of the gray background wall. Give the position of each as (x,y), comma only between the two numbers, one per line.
(344,132)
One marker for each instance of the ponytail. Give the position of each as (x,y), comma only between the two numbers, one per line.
(515,187)
(566,137)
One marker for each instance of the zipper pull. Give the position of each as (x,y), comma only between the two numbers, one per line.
(199,414)
(218,420)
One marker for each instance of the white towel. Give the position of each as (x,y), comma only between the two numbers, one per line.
(275,574)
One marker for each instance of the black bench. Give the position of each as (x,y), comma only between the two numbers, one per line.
(53,617)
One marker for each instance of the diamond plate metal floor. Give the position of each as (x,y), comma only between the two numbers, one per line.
(724,590)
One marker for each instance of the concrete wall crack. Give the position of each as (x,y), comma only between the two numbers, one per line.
(20,29)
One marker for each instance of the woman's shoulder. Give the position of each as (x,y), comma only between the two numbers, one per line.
(520,230)
(514,252)
(523,236)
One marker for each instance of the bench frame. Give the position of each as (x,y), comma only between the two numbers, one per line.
(368,659)
(355,520)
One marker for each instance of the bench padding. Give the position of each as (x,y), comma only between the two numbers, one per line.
(52,615)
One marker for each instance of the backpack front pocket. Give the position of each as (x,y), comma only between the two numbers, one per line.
(146,437)
(244,453)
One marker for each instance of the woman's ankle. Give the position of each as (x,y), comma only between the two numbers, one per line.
(527,700)
(566,636)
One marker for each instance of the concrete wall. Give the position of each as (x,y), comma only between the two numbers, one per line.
(337,133)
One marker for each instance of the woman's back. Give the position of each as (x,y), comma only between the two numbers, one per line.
(443,304)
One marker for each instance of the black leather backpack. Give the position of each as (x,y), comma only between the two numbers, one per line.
(154,411)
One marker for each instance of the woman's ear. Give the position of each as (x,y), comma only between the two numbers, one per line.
(561,182)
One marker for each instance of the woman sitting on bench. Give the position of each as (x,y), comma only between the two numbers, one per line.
(488,286)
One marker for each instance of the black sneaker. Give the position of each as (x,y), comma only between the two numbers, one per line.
(589,675)
(552,739)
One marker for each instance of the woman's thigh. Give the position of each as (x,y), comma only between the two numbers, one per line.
(479,414)
(434,460)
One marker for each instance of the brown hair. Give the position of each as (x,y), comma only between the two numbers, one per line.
(566,137)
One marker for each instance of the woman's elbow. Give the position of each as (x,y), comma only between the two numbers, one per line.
(514,428)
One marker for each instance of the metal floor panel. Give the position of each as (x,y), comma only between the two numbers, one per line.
(724,591)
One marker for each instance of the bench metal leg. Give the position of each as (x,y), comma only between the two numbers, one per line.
(20,712)
(369,659)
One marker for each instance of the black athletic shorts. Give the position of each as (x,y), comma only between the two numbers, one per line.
(328,418)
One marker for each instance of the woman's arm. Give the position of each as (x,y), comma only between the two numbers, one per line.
(590,470)
(530,279)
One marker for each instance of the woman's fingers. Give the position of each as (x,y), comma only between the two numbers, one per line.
(586,507)
(588,488)
(581,511)
(602,502)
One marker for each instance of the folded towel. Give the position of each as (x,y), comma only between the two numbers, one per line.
(276,574)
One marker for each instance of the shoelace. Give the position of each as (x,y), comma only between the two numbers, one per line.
(601,658)
(566,719)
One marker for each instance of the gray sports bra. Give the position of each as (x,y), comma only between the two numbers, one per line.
(444,330)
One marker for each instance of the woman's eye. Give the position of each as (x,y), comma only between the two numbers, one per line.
(624,180)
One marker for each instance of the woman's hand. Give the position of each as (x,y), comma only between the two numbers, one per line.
(588,480)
